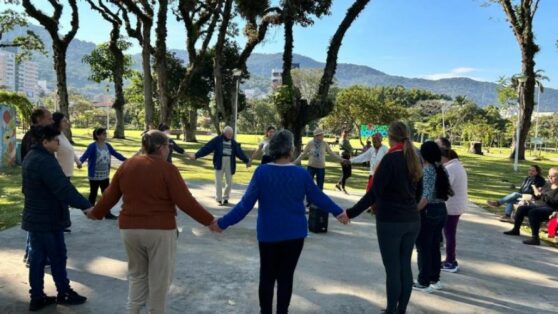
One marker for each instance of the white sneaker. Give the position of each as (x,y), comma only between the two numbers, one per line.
(419,287)
(436,285)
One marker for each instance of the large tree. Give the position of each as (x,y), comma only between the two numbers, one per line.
(59,44)
(112,65)
(520,14)
(26,44)
(295,111)
(143,12)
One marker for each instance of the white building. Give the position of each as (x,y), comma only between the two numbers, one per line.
(27,79)
(7,70)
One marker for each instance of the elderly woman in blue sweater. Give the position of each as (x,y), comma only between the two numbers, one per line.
(280,188)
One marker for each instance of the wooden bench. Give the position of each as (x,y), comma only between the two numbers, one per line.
(178,133)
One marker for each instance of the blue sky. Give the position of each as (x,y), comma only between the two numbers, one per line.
(413,38)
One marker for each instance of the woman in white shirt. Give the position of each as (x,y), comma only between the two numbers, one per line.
(263,147)
(65,155)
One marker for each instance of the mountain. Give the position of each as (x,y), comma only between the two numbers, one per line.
(260,66)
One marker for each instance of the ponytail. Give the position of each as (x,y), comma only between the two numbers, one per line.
(413,162)
(443,187)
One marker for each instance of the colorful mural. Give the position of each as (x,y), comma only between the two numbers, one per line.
(7,136)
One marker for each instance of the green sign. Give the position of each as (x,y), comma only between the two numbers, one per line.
(367,130)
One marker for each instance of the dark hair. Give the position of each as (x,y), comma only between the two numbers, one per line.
(97,132)
(399,132)
(445,142)
(538,168)
(430,152)
(452,154)
(57,117)
(163,127)
(41,133)
(37,113)
(269,128)
(152,140)
(281,144)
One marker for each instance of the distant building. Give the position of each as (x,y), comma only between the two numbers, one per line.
(7,70)
(276,80)
(27,79)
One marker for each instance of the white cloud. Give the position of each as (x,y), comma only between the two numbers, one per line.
(456,72)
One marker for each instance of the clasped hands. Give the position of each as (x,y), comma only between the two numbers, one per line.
(343,217)
(89,213)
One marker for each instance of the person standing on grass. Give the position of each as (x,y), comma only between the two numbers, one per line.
(346,150)
(455,204)
(317,149)
(279,188)
(225,151)
(48,192)
(433,214)
(173,147)
(373,155)
(98,156)
(263,147)
(396,191)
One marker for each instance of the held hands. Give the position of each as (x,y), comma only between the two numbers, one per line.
(214,227)
(343,217)
(79,164)
(89,213)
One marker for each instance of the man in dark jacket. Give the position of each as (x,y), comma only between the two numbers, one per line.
(48,192)
(225,150)
(39,117)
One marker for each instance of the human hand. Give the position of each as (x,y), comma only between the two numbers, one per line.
(343,217)
(79,164)
(214,227)
(89,213)
(553,215)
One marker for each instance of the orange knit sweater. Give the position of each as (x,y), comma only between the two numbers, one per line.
(151,188)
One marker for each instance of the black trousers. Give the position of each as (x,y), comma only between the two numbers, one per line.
(433,218)
(397,240)
(536,214)
(277,264)
(347,172)
(94,187)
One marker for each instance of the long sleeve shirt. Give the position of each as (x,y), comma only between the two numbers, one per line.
(457,203)
(280,191)
(372,155)
(66,155)
(150,189)
(316,152)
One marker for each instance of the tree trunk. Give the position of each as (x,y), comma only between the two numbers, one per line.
(119,100)
(190,125)
(59,51)
(161,64)
(218,62)
(147,78)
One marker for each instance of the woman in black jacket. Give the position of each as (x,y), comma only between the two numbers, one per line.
(395,192)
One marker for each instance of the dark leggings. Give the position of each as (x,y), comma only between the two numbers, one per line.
(347,173)
(397,240)
(277,263)
(432,221)
(536,214)
(94,186)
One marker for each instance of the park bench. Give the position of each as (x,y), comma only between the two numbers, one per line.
(177,133)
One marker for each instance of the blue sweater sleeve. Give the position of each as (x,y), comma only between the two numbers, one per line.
(115,153)
(87,153)
(318,197)
(240,153)
(244,206)
(206,149)
(57,182)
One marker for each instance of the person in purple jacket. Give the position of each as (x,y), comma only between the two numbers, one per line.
(280,188)
(98,156)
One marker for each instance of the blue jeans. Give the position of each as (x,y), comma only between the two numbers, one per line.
(51,245)
(509,200)
(320,175)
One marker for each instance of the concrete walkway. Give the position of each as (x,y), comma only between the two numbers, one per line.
(339,272)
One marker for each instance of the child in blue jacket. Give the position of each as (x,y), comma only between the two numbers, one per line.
(98,156)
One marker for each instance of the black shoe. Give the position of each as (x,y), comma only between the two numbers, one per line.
(225,202)
(512,232)
(110,216)
(532,241)
(37,304)
(337,186)
(70,298)
(67,230)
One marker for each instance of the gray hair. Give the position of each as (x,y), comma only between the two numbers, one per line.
(281,144)
(227,128)
(152,140)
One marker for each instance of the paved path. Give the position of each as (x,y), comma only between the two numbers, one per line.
(339,272)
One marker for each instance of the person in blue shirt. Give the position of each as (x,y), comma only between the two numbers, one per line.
(225,151)
(98,155)
(279,188)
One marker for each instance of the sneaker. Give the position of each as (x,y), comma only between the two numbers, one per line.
(450,267)
(110,216)
(436,285)
(505,218)
(492,203)
(225,202)
(532,241)
(512,232)
(37,304)
(70,298)
(419,287)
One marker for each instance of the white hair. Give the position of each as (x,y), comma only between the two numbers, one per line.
(228,128)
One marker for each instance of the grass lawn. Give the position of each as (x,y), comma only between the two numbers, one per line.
(490,176)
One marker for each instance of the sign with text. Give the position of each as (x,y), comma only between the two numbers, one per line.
(367,130)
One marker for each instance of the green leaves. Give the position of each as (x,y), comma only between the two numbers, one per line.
(102,62)
(26,44)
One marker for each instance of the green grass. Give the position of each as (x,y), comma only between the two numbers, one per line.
(490,176)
